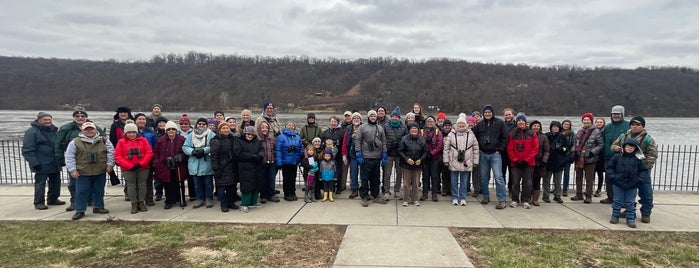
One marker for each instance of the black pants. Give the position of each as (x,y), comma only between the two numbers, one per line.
(149,186)
(522,184)
(539,174)
(328,186)
(430,176)
(505,175)
(370,178)
(172,189)
(289,180)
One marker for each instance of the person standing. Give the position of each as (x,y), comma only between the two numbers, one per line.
(171,165)
(250,154)
(492,141)
(133,154)
(558,160)
(508,115)
(39,149)
(149,134)
(612,131)
(418,116)
(522,148)
(381,118)
(395,130)
(586,153)
(116,131)
(626,171)
(198,146)
(156,111)
(471,121)
(542,158)
(270,116)
(460,155)
(349,153)
(433,164)
(567,132)
(334,134)
(288,155)
(412,150)
(88,158)
(371,155)
(268,141)
(224,172)
(245,120)
(446,173)
(649,148)
(310,131)
(599,169)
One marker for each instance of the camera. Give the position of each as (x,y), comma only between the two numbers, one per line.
(292,149)
(92,158)
(461,156)
(520,147)
(486,139)
(170,163)
(372,146)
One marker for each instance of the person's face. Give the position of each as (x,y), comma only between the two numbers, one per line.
(264,129)
(555,129)
(509,116)
(629,148)
(248,136)
(171,132)
(131,134)
(586,122)
(123,116)
(416,109)
(410,120)
(246,116)
(310,152)
(616,117)
(290,126)
(461,125)
(372,118)
(566,125)
(231,123)
(536,128)
(599,123)
(521,124)
(201,125)
(413,131)
(447,128)
(224,130)
(219,117)
(356,120)
(161,124)
(488,114)
(90,132)
(327,157)
(311,120)
(440,121)
(636,128)
(471,124)
(184,126)
(381,113)
(212,127)
(316,144)
(430,123)
(348,118)
(329,143)
(80,118)
(478,117)
(395,118)
(269,110)
(141,121)
(45,121)
(156,110)
(333,122)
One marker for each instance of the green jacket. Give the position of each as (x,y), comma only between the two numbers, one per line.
(66,134)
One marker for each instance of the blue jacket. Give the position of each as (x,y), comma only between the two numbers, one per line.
(628,170)
(149,135)
(39,148)
(199,166)
(289,149)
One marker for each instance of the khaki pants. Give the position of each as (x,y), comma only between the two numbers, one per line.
(411,182)
(589,173)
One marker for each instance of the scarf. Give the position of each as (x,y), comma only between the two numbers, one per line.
(199,140)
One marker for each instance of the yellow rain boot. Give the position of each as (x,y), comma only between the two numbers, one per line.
(325,196)
(331,197)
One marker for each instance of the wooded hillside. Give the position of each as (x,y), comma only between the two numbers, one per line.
(199,81)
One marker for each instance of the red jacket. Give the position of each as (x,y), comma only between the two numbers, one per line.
(121,153)
(165,148)
(522,144)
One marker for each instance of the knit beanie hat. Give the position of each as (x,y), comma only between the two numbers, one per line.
(410,114)
(441,115)
(316,139)
(447,122)
(413,125)
(129,127)
(380,107)
(212,121)
(474,113)
(430,118)
(472,119)
(488,107)
(156,105)
(328,151)
(556,123)
(588,115)
(638,120)
(160,119)
(461,120)
(170,125)
(311,115)
(79,110)
(357,115)
(521,116)
(249,130)
(185,119)
(534,122)
(267,104)
(42,115)
(396,112)
(201,120)
(371,112)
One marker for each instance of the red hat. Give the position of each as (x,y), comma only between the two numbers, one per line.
(185,119)
(589,115)
(441,115)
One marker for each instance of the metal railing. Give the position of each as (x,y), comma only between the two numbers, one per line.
(675,169)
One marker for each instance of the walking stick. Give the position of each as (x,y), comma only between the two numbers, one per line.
(181,190)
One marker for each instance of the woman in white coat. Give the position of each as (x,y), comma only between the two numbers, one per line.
(460,154)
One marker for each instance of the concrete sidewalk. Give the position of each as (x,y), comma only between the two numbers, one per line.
(674,211)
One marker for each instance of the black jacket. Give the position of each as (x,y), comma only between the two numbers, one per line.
(413,147)
(559,147)
(491,135)
(393,137)
(250,155)
(222,160)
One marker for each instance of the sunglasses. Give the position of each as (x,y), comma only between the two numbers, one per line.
(184,124)
(171,129)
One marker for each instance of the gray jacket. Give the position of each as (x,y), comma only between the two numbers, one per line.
(593,147)
(371,138)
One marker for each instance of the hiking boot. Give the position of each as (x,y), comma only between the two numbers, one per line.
(535,197)
(485,201)
(558,199)
(70,208)
(150,203)
(100,211)
(274,199)
(198,204)
(378,200)
(606,201)
(565,192)
(167,206)
(56,203)
(501,205)
(423,197)
(289,198)
(546,199)
(354,194)
(577,197)
(645,218)
(158,197)
(365,202)
(307,198)
(587,200)
(294,198)
(631,223)
(598,193)
(225,209)
(233,206)
(78,215)
(142,207)
(526,205)
(134,208)
(40,207)
(209,203)
(614,220)
(435,198)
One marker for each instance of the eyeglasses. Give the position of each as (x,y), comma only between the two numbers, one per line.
(173,129)
(80,116)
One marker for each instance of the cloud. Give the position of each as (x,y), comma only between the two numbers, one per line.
(589,33)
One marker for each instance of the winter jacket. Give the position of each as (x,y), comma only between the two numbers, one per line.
(289,150)
(435,142)
(268,142)
(572,141)
(66,133)
(558,152)
(592,146)
(491,135)
(393,137)
(39,148)
(309,168)
(199,166)
(627,170)
(611,132)
(348,148)
(544,151)
(164,148)
(461,141)
(309,132)
(523,145)
(413,147)
(327,170)
(225,173)
(645,141)
(149,135)
(141,153)
(371,140)
(250,155)
(116,131)
(77,159)
(336,135)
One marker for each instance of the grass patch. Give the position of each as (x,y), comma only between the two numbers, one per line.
(578,248)
(163,244)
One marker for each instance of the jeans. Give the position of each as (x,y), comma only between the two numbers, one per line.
(73,192)
(226,195)
(54,181)
(645,192)
(270,173)
(204,187)
(459,183)
(392,163)
(624,198)
(90,186)
(492,161)
(354,174)
(430,176)
(370,178)
(566,176)
(159,188)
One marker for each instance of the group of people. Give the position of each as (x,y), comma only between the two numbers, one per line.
(422,154)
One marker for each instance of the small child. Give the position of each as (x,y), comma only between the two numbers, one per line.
(626,170)
(310,167)
(331,145)
(328,174)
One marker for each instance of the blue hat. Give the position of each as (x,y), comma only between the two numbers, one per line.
(396,112)
(521,116)
(488,107)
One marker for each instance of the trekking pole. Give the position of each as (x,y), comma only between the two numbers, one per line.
(181,190)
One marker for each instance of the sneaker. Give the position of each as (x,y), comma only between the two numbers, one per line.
(614,220)
(70,208)
(513,204)
(423,197)
(78,215)
(455,202)
(244,209)
(224,209)
(56,202)
(263,200)
(598,193)
(416,203)
(387,196)
(631,223)
(365,202)
(274,199)
(100,211)
(405,204)
(198,203)
(462,203)
(558,200)
(501,205)
(40,207)
(158,197)
(209,203)
(587,200)
(354,194)
(378,200)
(398,195)
(526,205)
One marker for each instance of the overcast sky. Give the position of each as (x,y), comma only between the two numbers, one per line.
(611,33)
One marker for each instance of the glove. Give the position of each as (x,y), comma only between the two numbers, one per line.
(588,155)
(36,167)
(178,159)
(410,161)
(198,153)
(136,167)
(418,162)
(384,156)
(360,158)
(62,162)
(344,159)
(521,164)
